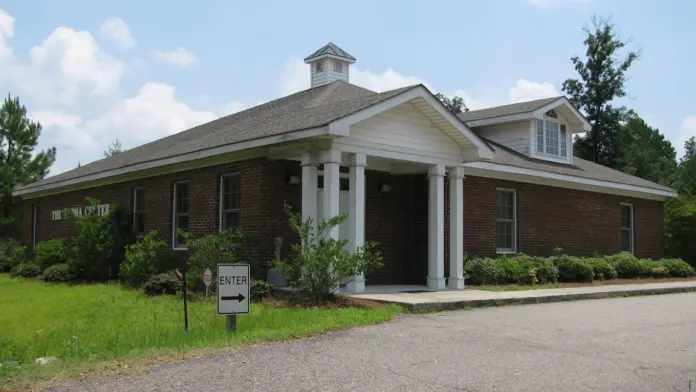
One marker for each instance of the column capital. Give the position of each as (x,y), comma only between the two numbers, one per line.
(330,156)
(309,159)
(436,171)
(456,172)
(357,159)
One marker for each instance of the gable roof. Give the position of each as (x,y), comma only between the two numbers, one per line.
(332,50)
(307,109)
(579,168)
(506,110)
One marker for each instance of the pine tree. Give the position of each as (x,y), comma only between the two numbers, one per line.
(18,138)
(602,80)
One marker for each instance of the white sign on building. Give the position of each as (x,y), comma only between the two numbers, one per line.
(102,209)
(233,289)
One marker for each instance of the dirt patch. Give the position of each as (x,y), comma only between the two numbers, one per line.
(293,299)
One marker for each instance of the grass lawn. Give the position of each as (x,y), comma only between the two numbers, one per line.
(84,326)
(523,287)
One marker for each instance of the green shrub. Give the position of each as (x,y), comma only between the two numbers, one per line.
(141,259)
(677,267)
(680,227)
(26,270)
(12,253)
(509,271)
(259,290)
(98,248)
(480,271)
(58,273)
(166,283)
(536,269)
(50,252)
(321,264)
(602,269)
(573,269)
(628,266)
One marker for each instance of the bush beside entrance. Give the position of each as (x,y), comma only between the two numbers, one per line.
(524,269)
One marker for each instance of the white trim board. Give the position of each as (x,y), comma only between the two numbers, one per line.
(512,173)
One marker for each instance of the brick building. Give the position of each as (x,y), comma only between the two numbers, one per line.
(425,184)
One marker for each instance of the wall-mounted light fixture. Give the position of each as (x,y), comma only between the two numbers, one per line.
(293,180)
(384,188)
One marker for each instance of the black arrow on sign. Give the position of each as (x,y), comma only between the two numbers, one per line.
(230,298)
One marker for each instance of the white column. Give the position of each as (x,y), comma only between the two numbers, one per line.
(309,188)
(436,227)
(356,214)
(456,239)
(332,161)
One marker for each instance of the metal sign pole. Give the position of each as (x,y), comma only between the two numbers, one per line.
(232,323)
(183,274)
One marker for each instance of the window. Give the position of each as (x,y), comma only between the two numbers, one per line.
(627,228)
(338,66)
(139,211)
(37,221)
(343,182)
(182,205)
(319,66)
(505,222)
(552,138)
(229,202)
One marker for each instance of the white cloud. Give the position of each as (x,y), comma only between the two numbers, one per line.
(6,32)
(118,31)
(66,66)
(179,56)
(152,113)
(552,3)
(525,90)
(687,130)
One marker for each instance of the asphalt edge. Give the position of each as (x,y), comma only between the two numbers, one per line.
(482,303)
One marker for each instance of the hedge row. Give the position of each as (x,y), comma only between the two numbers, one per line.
(524,269)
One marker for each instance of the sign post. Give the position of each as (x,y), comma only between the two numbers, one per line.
(207,280)
(233,292)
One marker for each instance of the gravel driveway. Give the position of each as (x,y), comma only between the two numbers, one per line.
(622,344)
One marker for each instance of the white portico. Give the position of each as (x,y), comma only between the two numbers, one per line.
(409,132)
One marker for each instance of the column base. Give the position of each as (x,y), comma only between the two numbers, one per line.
(356,285)
(455,283)
(436,283)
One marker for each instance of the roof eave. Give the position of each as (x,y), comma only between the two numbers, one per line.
(313,59)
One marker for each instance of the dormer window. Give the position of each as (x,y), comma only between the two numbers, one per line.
(552,136)
(318,66)
(338,66)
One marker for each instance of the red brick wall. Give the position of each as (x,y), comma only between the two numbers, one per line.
(582,223)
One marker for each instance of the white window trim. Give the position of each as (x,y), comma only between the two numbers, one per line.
(338,66)
(35,212)
(221,195)
(568,138)
(514,222)
(135,209)
(632,241)
(319,66)
(174,244)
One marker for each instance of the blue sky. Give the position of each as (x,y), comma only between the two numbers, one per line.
(139,70)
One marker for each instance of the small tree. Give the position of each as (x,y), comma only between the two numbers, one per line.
(141,259)
(680,227)
(321,264)
(115,148)
(455,104)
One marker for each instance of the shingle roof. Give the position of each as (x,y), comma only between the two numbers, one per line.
(506,110)
(330,49)
(579,168)
(307,109)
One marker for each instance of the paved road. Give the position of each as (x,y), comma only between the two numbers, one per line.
(623,344)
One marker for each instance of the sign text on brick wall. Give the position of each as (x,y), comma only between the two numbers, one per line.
(102,209)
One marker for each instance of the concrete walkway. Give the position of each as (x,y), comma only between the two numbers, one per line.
(458,299)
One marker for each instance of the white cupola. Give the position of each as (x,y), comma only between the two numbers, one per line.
(329,64)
